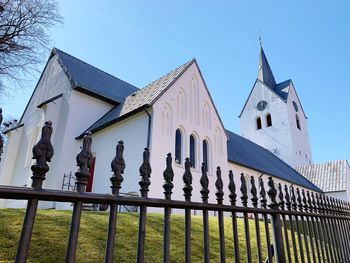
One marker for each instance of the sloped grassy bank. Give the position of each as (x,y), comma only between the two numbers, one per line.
(51,230)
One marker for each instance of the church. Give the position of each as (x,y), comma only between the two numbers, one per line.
(174,114)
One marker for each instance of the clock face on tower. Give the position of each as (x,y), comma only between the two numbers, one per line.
(261,105)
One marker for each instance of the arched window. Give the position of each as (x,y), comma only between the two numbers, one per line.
(258,123)
(178,146)
(298,121)
(205,154)
(268,120)
(193,151)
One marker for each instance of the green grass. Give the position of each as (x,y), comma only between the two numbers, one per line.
(51,231)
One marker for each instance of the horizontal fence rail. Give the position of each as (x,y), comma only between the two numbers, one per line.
(289,224)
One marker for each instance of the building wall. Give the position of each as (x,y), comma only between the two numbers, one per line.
(276,138)
(186,106)
(133,131)
(301,149)
(70,115)
(282,138)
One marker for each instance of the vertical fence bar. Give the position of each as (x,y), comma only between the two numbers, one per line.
(254,200)
(276,223)
(42,153)
(309,226)
(263,202)
(244,198)
(187,178)
(205,195)
(336,227)
(285,229)
(305,234)
(168,175)
(145,173)
(233,200)
(323,230)
(318,230)
(219,197)
(335,233)
(295,208)
(343,230)
(312,226)
(84,159)
(329,230)
(118,166)
(345,226)
(290,218)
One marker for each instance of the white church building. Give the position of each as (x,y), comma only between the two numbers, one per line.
(175,114)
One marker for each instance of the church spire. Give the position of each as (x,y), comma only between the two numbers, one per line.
(265,74)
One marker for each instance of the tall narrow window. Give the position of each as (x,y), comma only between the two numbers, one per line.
(268,120)
(258,123)
(298,121)
(205,154)
(178,146)
(193,151)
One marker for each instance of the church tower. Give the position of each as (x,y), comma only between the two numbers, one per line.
(273,117)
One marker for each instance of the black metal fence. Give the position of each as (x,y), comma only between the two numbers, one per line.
(296,225)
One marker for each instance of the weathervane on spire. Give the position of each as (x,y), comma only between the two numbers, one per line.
(260,40)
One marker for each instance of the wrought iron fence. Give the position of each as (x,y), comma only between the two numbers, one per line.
(298,225)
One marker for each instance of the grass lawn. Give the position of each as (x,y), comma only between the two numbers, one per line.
(51,230)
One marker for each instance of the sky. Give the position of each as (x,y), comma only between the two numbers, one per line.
(139,41)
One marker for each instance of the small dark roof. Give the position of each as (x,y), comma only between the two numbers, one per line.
(248,154)
(282,89)
(140,99)
(90,79)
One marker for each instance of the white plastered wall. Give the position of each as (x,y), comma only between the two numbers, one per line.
(133,131)
(301,150)
(278,136)
(70,115)
(187,106)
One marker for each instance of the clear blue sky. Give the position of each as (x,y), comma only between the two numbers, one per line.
(138,41)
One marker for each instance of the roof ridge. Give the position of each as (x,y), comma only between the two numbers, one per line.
(169,73)
(321,163)
(55,49)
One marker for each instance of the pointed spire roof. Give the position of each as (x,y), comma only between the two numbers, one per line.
(265,74)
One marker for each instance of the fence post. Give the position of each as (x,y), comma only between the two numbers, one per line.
(42,153)
(233,199)
(204,181)
(187,178)
(145,173)
(168,187)
(118,166)
(220,197)
(84,159)
(276,223)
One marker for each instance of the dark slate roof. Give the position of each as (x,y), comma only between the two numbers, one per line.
(139,99)
(248,154)
(329,176)
(267,75)
(90,79)
(282,89)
